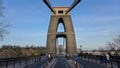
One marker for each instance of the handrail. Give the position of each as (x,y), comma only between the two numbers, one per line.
(101,59)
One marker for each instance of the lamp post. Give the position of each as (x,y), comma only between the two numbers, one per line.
(80,48)
(116,48)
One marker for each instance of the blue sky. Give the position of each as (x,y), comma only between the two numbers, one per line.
(95,22)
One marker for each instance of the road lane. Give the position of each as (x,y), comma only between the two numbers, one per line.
(60,63)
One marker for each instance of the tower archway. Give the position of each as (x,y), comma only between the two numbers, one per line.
(68,34)
(61,39)
(61,14)
(61,26)
(61,45)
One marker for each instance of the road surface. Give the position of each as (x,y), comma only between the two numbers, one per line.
(60,63)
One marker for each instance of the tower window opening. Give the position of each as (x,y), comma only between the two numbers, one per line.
(60,27)
(60,11)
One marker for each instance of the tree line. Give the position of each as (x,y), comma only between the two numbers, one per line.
(9,51)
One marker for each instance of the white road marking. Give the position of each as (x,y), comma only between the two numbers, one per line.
(66,65)
(54,64)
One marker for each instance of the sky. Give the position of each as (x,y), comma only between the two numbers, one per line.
(95,22)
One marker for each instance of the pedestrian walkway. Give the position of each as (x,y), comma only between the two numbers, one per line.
(41,64)
(101,63)
(17,64)
(87,64)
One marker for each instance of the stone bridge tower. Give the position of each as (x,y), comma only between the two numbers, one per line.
(61,15)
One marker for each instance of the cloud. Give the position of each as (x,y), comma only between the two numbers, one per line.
(97,19)
(30,35)
(90,37)
(25,38)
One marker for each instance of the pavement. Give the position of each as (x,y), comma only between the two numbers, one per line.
(41,64)
(37,65)
(17,64)
(97,62)
(87,64)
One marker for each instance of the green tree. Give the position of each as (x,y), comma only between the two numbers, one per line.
(42,50)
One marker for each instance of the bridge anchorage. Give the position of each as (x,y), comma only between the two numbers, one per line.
(61,14)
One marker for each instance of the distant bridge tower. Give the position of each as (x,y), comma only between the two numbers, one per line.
(61,15)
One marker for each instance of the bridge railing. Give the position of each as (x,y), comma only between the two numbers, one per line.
(5,62)
(113,62)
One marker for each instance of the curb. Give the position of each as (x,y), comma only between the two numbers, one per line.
(72,63)
(49,64)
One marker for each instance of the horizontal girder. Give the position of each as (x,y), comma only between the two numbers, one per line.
(71,7)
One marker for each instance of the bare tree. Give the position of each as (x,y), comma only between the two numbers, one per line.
(115,44)
(1,9)
(3,24)
(3,29)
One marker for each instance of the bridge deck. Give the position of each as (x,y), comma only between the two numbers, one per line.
(60,62)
